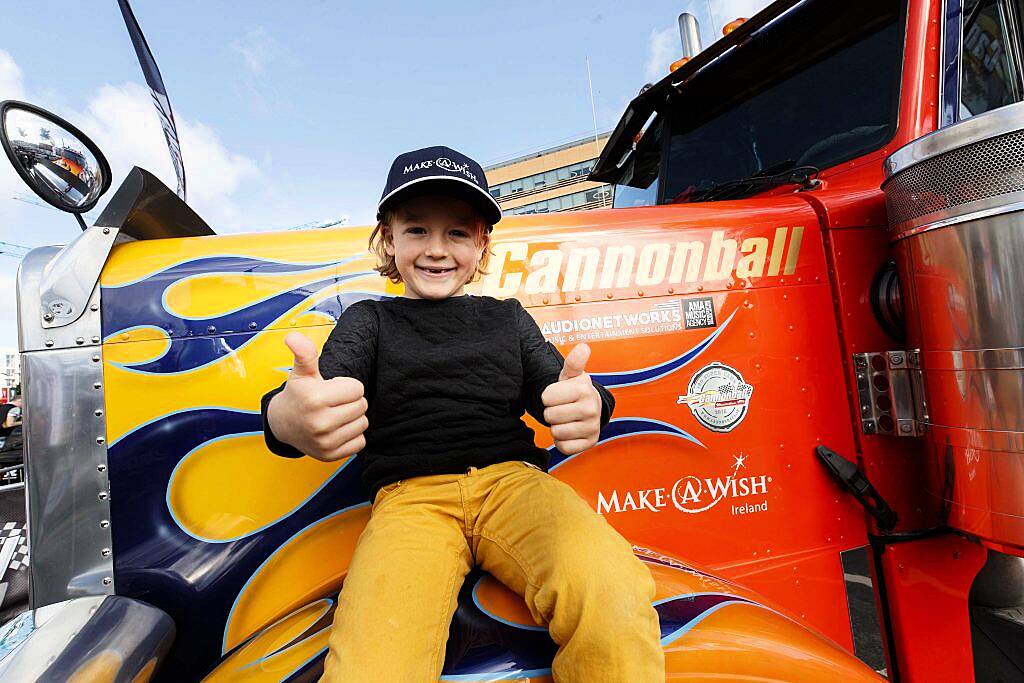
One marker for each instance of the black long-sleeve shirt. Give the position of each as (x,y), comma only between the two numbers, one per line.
(447,384)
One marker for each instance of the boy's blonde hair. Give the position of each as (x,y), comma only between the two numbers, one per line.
(386,265)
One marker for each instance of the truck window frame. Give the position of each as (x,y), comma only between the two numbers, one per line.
(667,137)
(950,81)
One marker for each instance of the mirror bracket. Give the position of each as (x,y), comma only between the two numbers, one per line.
(69,279)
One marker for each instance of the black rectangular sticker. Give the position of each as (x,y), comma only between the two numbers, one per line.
(699,313)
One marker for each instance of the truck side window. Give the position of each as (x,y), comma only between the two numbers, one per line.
(639,184)
(990,66)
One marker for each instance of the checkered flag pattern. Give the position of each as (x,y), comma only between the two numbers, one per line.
(15,530)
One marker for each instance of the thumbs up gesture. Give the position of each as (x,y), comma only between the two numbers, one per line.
(322,418)
(572,406)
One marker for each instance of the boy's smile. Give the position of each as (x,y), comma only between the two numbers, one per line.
(437,243)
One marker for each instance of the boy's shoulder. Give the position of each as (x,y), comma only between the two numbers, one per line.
(478,301)
(363,308)
(375,311)
(491,302)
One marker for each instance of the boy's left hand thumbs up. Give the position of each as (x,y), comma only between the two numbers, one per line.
(575,362)
(572,406)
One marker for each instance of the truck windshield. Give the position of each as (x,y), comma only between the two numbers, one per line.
(805,95)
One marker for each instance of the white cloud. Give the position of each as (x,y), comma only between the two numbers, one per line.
(12,87)
(123,123)
(663,48)
(257,49)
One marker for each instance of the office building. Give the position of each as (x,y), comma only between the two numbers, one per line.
(550,180)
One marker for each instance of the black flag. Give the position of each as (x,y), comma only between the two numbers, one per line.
(156,87)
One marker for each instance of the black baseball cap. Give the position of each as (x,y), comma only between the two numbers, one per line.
(438,170)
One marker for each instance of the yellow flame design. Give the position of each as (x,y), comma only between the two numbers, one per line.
(310,565)
(234,486)
(272,655)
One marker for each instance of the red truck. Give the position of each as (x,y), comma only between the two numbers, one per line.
(806,302)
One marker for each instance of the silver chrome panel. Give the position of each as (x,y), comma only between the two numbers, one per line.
(956,202)
(969,131)
(108,638)
(989,400)
(968,319)
(958,182)
(67,492)
(71,276)
(66,479)
(969,283)
(32,336)
(976,210)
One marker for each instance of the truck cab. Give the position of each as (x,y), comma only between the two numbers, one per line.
(803,301)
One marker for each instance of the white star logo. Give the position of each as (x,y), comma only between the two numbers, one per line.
(740,461)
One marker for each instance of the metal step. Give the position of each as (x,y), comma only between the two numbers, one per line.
(998,638)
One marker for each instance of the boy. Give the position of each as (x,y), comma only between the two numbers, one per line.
(430,389)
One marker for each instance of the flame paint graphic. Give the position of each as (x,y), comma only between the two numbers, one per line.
(162,302)
(217,508)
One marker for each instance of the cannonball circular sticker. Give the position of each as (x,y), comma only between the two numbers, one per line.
(718,397)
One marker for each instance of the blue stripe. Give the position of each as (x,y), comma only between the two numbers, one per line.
(498,676)
(621,428)
(644,375)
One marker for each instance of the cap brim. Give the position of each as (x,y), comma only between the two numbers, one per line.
(447,186)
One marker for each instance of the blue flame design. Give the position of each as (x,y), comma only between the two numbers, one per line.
(621,428)
(681,613)
(496,650)
(156,560)
(141,304)
(644,375)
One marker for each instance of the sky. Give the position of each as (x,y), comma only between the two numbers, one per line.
(290,113)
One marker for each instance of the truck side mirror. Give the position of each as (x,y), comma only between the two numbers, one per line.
(59,162)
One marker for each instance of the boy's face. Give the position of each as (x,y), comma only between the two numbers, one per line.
(437,243)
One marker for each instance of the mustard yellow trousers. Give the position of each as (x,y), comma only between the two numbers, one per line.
(530,531)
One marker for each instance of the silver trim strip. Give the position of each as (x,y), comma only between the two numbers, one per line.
(983,208)
(967,132)
(949,111)
(974,359)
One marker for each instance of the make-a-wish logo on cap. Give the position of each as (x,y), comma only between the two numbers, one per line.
(452,167)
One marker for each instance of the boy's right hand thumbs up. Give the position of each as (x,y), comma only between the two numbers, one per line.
(322,418)
(306,358)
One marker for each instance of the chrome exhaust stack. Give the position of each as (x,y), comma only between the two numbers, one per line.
(689,35)
(955,202)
